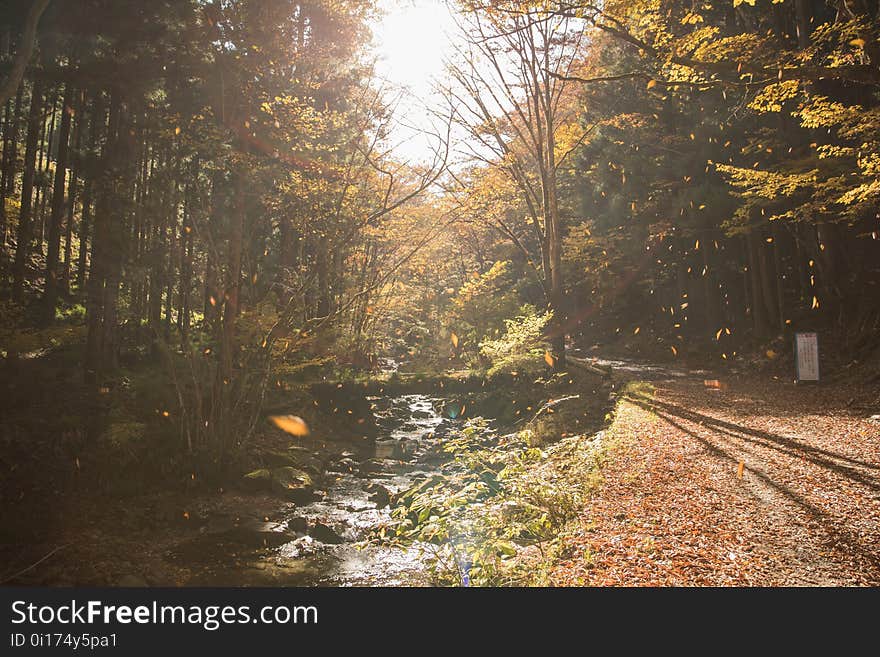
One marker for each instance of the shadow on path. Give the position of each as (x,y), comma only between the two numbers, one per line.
(669,413)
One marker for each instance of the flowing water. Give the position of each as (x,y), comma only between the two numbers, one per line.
(324,543)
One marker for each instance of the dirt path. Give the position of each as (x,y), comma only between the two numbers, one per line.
(672,509)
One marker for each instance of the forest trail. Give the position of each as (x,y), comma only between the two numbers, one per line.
(672,509)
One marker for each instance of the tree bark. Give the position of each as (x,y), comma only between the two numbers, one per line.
(229,345)
(50,294)
(25,50)
(96,121)
(25,218)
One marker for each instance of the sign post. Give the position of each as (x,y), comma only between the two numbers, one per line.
(806,354)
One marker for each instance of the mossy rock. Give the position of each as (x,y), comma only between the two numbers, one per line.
(292,483)
(258,480)
(291,477)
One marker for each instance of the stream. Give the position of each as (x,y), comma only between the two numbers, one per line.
(322,543)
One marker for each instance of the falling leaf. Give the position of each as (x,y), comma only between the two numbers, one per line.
(815,303)
(651,84)
(718,334)
(636,332)
(292,424)
(858,43)
(771,354)
(674,351)
(454,339)
(177,130)
(739,470)
(548,358)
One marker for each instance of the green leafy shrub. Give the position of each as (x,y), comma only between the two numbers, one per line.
(522,347)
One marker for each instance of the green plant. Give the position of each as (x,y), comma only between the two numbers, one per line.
(522,347)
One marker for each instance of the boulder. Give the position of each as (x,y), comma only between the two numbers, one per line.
(379,495)
(321,532)
(299,525)
(292,483)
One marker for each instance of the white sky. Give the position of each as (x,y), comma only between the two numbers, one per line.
(411,41)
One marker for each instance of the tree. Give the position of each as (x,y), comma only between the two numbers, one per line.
(511,85)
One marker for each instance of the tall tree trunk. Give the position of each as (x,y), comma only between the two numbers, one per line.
(710,289)
(50,295)
(186,268)
(7,176)
(768,285)
(758,306)
(25,217)
(43,165)
(213,297)
(229,346)
(24,51)
(72,189)
(99,315)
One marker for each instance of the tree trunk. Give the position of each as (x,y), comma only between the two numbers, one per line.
(229,346)
(25,217)
(768,285)
(71,194)
(100,309)
(96,121)
(10,152)
(759,317)
(50,294)
(45,178)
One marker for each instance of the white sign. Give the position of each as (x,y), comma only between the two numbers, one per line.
(806,348)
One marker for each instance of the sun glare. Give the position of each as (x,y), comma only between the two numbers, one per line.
(412,40)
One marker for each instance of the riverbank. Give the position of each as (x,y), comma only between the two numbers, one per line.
(300,511)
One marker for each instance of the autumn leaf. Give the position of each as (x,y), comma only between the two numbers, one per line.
(454,339)
(548,358)
(291,424)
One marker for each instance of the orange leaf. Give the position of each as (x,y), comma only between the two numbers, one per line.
(292,424)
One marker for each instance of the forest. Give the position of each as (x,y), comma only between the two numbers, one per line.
(270,318)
